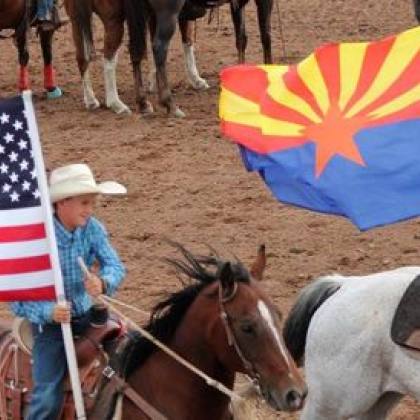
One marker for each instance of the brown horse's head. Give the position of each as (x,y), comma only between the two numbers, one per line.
(252,328)
(222,323)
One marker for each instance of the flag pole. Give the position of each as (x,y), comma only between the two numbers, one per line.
(58,279)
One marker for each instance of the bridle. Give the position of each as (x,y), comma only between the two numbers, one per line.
(232,341)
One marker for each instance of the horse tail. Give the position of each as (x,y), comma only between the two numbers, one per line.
(83,18)
(137,14)
(297,323)
(417,9)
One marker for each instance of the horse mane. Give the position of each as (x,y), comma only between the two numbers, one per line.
(168,314)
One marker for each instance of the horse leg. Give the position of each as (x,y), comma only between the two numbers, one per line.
(165,28)
(114,30)
(137,30)
(53,91)
(264,8)
(187,29)
(381,408)
(22,46)
(83,59)
(238,19)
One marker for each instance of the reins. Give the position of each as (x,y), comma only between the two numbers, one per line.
(127,389)
(209,381)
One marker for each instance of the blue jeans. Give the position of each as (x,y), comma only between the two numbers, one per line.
(49,368)
(44,7)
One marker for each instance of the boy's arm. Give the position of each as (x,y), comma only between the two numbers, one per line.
(38,312)
(111,270)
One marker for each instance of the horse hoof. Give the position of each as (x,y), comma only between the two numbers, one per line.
(178,113)
(54,93)
(146,109)
(92,105)
(200,84)
(119,108)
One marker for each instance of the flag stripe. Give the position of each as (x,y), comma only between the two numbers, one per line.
(280,97)
(375,56)
(256,82)
(22,233)
(26,216)
(24,265)
(36,293)
(26,280)
(295,84)
(403,51)
(351,60)
(328,60)
(409,79)
(253,138)
(24,249)
(311,75)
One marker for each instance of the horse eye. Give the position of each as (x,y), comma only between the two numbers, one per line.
(248,328)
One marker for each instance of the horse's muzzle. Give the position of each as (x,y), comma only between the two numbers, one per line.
(291,399)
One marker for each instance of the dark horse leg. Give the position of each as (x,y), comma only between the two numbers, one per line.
(165,28)
(49,83)
(22,46)
(186,28)
(264,8)
(138,16)
(238,19)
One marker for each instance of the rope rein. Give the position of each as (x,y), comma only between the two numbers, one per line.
(209,381)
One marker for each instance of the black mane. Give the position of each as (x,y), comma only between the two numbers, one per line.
(168,314)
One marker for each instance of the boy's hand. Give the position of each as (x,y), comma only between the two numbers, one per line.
(62,313)
(94,285)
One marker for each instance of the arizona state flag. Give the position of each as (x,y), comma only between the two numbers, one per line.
(337,133)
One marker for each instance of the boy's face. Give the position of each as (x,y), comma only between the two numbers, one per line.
(75,211)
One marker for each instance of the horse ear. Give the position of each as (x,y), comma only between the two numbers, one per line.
(227,281)
(257,269)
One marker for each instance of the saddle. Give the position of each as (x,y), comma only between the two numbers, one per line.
(15,366)
(405,328)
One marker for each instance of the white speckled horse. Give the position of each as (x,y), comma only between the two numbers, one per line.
(341,325)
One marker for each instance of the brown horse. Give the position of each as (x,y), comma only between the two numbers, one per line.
(223,324)
(17,15)
(162,16)
(112,13)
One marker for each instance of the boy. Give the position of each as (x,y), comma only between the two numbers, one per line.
(73,192)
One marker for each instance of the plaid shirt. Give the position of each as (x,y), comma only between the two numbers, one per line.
(91,243)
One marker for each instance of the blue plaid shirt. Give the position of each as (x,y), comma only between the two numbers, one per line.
(91,243)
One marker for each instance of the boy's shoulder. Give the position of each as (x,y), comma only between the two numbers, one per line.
(94,226)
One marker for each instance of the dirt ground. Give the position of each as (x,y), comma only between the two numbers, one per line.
(187,183)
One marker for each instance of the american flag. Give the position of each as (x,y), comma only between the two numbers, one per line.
(25,261)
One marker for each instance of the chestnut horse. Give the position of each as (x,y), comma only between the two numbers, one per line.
(161,18)
(223,323)
(17,15)
(162,15)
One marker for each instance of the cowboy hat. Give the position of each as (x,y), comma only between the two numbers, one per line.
(77,179)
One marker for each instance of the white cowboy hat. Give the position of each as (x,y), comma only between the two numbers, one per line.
(77,179)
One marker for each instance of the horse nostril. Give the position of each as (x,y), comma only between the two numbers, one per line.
(294,399)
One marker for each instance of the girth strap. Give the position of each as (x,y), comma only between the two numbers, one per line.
(122,386)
